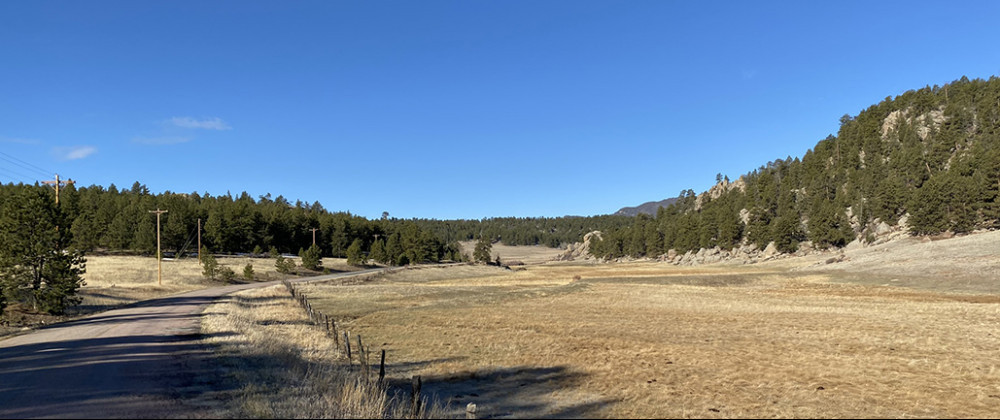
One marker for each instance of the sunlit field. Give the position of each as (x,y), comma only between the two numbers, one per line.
(655,340)
(113,281)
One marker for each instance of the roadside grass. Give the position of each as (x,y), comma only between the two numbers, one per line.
(289,368)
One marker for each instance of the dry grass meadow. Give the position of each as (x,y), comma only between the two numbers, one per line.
(114,281)
(907,336)
(649,340)
(515,254)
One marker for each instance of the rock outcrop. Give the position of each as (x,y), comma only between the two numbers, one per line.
(579,250)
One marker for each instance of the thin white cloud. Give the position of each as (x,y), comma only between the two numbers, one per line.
(206,124)
(74,152)
(18,141)
(161,141)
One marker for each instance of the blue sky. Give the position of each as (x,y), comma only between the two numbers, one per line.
(456,109)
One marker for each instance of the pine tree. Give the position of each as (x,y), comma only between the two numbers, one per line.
(377,252)
(284,265)
(484,247)
(355,256)
(311,258)
(786,233)
(35,268)
(210,266)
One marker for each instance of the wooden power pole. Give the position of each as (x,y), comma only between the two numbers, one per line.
(199,240)
(314,235)
(159,257)
(57,183)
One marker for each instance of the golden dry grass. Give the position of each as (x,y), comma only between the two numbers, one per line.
(288,367)
(113,281)
(510,254)
(650,340)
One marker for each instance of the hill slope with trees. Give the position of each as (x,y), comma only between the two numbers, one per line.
(929,158)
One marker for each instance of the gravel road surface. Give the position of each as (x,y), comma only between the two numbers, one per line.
(143,361)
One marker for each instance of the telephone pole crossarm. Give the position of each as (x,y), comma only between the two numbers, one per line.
(57,183)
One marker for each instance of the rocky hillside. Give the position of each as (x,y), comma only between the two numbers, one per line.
(929,157)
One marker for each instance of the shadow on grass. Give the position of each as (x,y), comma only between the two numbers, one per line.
(511,392)
(708,280)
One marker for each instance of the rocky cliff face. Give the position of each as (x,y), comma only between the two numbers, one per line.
(579,250)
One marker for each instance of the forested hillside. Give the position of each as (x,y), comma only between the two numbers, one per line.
(648,208)
(929,156)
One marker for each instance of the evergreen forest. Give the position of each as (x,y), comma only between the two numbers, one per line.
(118,221)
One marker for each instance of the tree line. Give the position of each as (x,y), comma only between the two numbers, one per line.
(552,232)
(932,155)
(98,219)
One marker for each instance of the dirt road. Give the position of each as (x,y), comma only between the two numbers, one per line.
(144,361)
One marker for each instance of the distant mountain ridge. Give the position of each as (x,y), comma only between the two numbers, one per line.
(649,208)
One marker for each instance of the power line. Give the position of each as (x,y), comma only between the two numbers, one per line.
(16,176)
(23,164)
(12,179)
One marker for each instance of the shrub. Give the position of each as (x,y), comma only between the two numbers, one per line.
(284,265)
(227,274)
(248,272)
(210,267)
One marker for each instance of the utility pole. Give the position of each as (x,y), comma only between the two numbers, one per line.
(159,257)
(57,183)
(314,235)
(199,240)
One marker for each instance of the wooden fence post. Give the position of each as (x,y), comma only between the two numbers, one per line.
(362,360)
(416,396)
(347,342)
(381,369)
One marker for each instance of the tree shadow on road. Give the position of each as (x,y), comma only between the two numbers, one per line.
(129,376)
